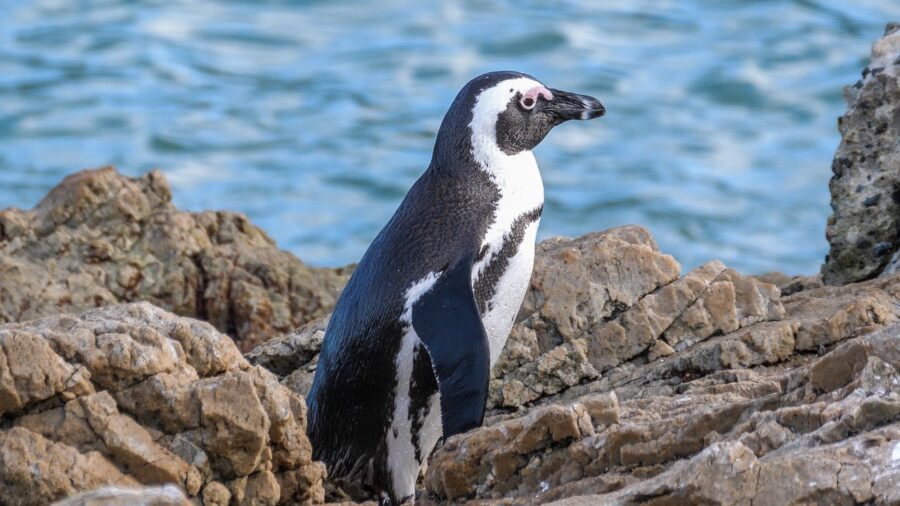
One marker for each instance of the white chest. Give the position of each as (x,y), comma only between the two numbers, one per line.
(504,305)
(521,192)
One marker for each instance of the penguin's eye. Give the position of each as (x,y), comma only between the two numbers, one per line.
(529,99)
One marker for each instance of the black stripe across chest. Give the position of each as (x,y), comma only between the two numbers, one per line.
(486,285)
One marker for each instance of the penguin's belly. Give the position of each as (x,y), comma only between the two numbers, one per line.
(502,269)
(500,310)
(415,424)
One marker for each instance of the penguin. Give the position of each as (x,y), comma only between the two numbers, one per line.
(407,354)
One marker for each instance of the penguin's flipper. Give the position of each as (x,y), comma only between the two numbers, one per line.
(448,322)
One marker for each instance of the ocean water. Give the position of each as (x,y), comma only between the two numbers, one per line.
(315,117)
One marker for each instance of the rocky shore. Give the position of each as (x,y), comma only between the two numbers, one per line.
(100,239)
(153,356)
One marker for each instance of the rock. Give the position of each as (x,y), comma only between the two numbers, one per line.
(62,470)
(578,283)
(167,495)
(865,187)
(497,459)
(852,472)
(827,315)
(293,356)
(791,284)
(638,307)
(100,238)
(821,431)
(671,383)
(133,395)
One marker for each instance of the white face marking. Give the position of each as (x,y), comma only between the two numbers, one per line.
(489,104)
(521,190)
(401,452)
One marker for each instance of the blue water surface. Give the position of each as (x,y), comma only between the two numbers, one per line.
(314,118)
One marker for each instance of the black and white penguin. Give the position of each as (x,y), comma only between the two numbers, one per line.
(408,351)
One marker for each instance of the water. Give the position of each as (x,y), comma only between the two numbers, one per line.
(314,118)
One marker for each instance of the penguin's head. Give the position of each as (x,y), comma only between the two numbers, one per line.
(511,112)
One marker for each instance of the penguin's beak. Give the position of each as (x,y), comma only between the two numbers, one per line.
(566,106)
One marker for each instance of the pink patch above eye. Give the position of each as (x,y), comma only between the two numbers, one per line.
(530,97)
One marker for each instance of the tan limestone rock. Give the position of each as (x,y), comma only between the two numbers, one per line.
(100,238)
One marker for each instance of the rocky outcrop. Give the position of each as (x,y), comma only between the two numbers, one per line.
(611,297)
(752,416)
(100,238)
(691,391)
(624,382)
(133,395)
(865,188)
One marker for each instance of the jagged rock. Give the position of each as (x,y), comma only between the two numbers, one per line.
(133,395)
(679,377)
(851,472)
(578,283)
(495,459)
(638,305)
(865,187)
(167,495)
(803,431)
(813,321)
(294,356)
(100,238)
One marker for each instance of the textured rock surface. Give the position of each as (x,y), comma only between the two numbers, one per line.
(100,238)
(133,395)
(167,495)
(625,383)
(865,188)
(293,357)
(605,298)
(742,418)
